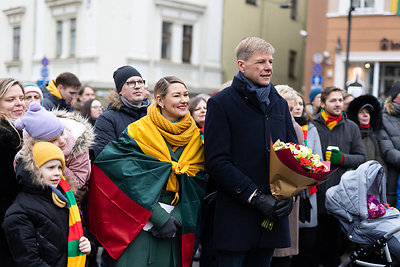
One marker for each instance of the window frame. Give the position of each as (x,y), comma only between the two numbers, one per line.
(187,43)
(166,40)
(16,42)
(59,38)
(72,48)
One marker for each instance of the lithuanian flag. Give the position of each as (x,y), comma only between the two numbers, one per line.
(395,7)
(127,178)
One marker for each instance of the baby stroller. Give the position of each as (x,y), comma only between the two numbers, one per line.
(347,201)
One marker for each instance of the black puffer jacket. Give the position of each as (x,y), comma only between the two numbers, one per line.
(112,123)
(9,188)
(36,229)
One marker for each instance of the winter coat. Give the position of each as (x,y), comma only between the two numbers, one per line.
(51,101)
(346,136)
(368,134)
(237,144)
(10,142)
(314,143)
(111,123)
(36,229)
(389,142)
(76,152)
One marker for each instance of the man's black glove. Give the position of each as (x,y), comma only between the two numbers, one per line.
(266,204)
(305,206)
(284,207)
(168,230)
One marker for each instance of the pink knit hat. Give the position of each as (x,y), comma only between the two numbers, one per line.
(31,87)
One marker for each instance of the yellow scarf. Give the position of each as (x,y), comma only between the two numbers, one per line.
(152,131)
(53,89)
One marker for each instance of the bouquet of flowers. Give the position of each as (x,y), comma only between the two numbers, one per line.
(293,168)
(308,161)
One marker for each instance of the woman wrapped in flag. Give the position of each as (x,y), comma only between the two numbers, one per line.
(146,188)
(43,226)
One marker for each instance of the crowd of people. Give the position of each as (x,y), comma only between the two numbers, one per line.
(159,180)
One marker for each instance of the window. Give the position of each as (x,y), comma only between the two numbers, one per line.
(73,38)
(59,38)
(251,2)
(292,64)
(363,3)
(187,43)
(166,40)
(16,42)
(293,9)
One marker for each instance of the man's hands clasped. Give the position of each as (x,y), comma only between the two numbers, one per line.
(270,207)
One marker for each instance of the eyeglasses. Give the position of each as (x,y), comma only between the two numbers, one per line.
(134,84)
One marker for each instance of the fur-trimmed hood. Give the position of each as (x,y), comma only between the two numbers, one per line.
(80,129)
(389,107)
(34,179)
(115,100)
(357,103)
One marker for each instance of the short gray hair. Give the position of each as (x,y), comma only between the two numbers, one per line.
(249,45)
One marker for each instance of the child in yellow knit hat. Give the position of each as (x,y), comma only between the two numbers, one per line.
(43,226)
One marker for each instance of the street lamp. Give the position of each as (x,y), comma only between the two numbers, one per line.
(348,44)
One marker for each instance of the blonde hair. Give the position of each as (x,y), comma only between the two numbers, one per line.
(249,45)
(5,85)
(287,92)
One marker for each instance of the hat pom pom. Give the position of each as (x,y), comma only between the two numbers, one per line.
(35,106)
(19,124)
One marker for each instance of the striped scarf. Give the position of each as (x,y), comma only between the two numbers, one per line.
(331,121)
(312,189)
(75,257)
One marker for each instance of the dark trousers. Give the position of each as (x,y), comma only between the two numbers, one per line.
(329,240)
(260,257)
(308,245)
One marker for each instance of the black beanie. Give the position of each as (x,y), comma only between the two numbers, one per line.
(395,90)
(122,74)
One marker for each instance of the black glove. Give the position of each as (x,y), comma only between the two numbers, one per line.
(168,230)
(305,207)
(266,204)
(284,207)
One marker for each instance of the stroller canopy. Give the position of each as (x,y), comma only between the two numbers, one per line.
(348,199)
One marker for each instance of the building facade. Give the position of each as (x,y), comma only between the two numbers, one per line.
(283,27)
(374,50)
(92,38)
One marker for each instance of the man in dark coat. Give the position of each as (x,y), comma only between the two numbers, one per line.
(241,120)
(128,104)
(342,145)
(60,93)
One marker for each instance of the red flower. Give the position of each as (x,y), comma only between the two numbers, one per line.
(306,164)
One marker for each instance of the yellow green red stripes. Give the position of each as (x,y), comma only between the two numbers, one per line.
(75,257)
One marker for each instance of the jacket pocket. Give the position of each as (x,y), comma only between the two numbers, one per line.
(47,251)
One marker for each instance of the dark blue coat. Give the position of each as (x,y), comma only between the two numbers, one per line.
(51,102)
(237,134)
(112,123)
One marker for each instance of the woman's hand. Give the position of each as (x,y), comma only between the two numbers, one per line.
(84,245)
